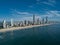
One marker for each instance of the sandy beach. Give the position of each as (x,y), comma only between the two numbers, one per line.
(16,28)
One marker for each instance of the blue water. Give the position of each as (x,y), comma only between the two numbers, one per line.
(44,35)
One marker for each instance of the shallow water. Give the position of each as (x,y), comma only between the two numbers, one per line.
(44,35)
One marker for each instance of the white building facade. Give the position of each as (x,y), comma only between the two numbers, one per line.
(4,24)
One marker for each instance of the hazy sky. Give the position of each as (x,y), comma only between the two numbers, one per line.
(24,9)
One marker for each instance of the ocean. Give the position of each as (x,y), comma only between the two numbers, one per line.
(43,35)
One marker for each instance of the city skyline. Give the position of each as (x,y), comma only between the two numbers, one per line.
(24,9)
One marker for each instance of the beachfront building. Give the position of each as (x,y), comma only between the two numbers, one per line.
(16,23)
(12,23)
(43,21)
(22,23)
(38,21)
(29,22)
(46,19)
(25,22)
(1,25)
(4,24)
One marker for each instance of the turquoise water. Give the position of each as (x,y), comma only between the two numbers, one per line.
(44,35)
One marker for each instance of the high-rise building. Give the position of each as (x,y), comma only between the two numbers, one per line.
(12,23)
(25,22)
(43,21)
(33,19)
(38,22)
(46,19)
(4,24)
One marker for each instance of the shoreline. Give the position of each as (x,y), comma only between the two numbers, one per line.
(25,27)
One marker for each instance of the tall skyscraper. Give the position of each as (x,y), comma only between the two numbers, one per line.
(25,22)
(43,21)
(4,24)
(46,19)
(12,23)
(33,19)
(38,22)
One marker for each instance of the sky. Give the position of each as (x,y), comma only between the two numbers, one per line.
(24,9)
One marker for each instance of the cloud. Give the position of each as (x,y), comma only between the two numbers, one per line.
(20,13)
(50,2)
(31,18)
(24,15)
(56,13)
(51,14)
(37,1)
(31,6)
(27,18)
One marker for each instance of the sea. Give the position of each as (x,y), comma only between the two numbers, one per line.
(43,35)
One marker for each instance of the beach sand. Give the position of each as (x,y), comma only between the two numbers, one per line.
(18,28)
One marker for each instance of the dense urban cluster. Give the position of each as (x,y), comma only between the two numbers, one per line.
(13,23)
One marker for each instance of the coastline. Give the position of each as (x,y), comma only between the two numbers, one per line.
(25,27)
